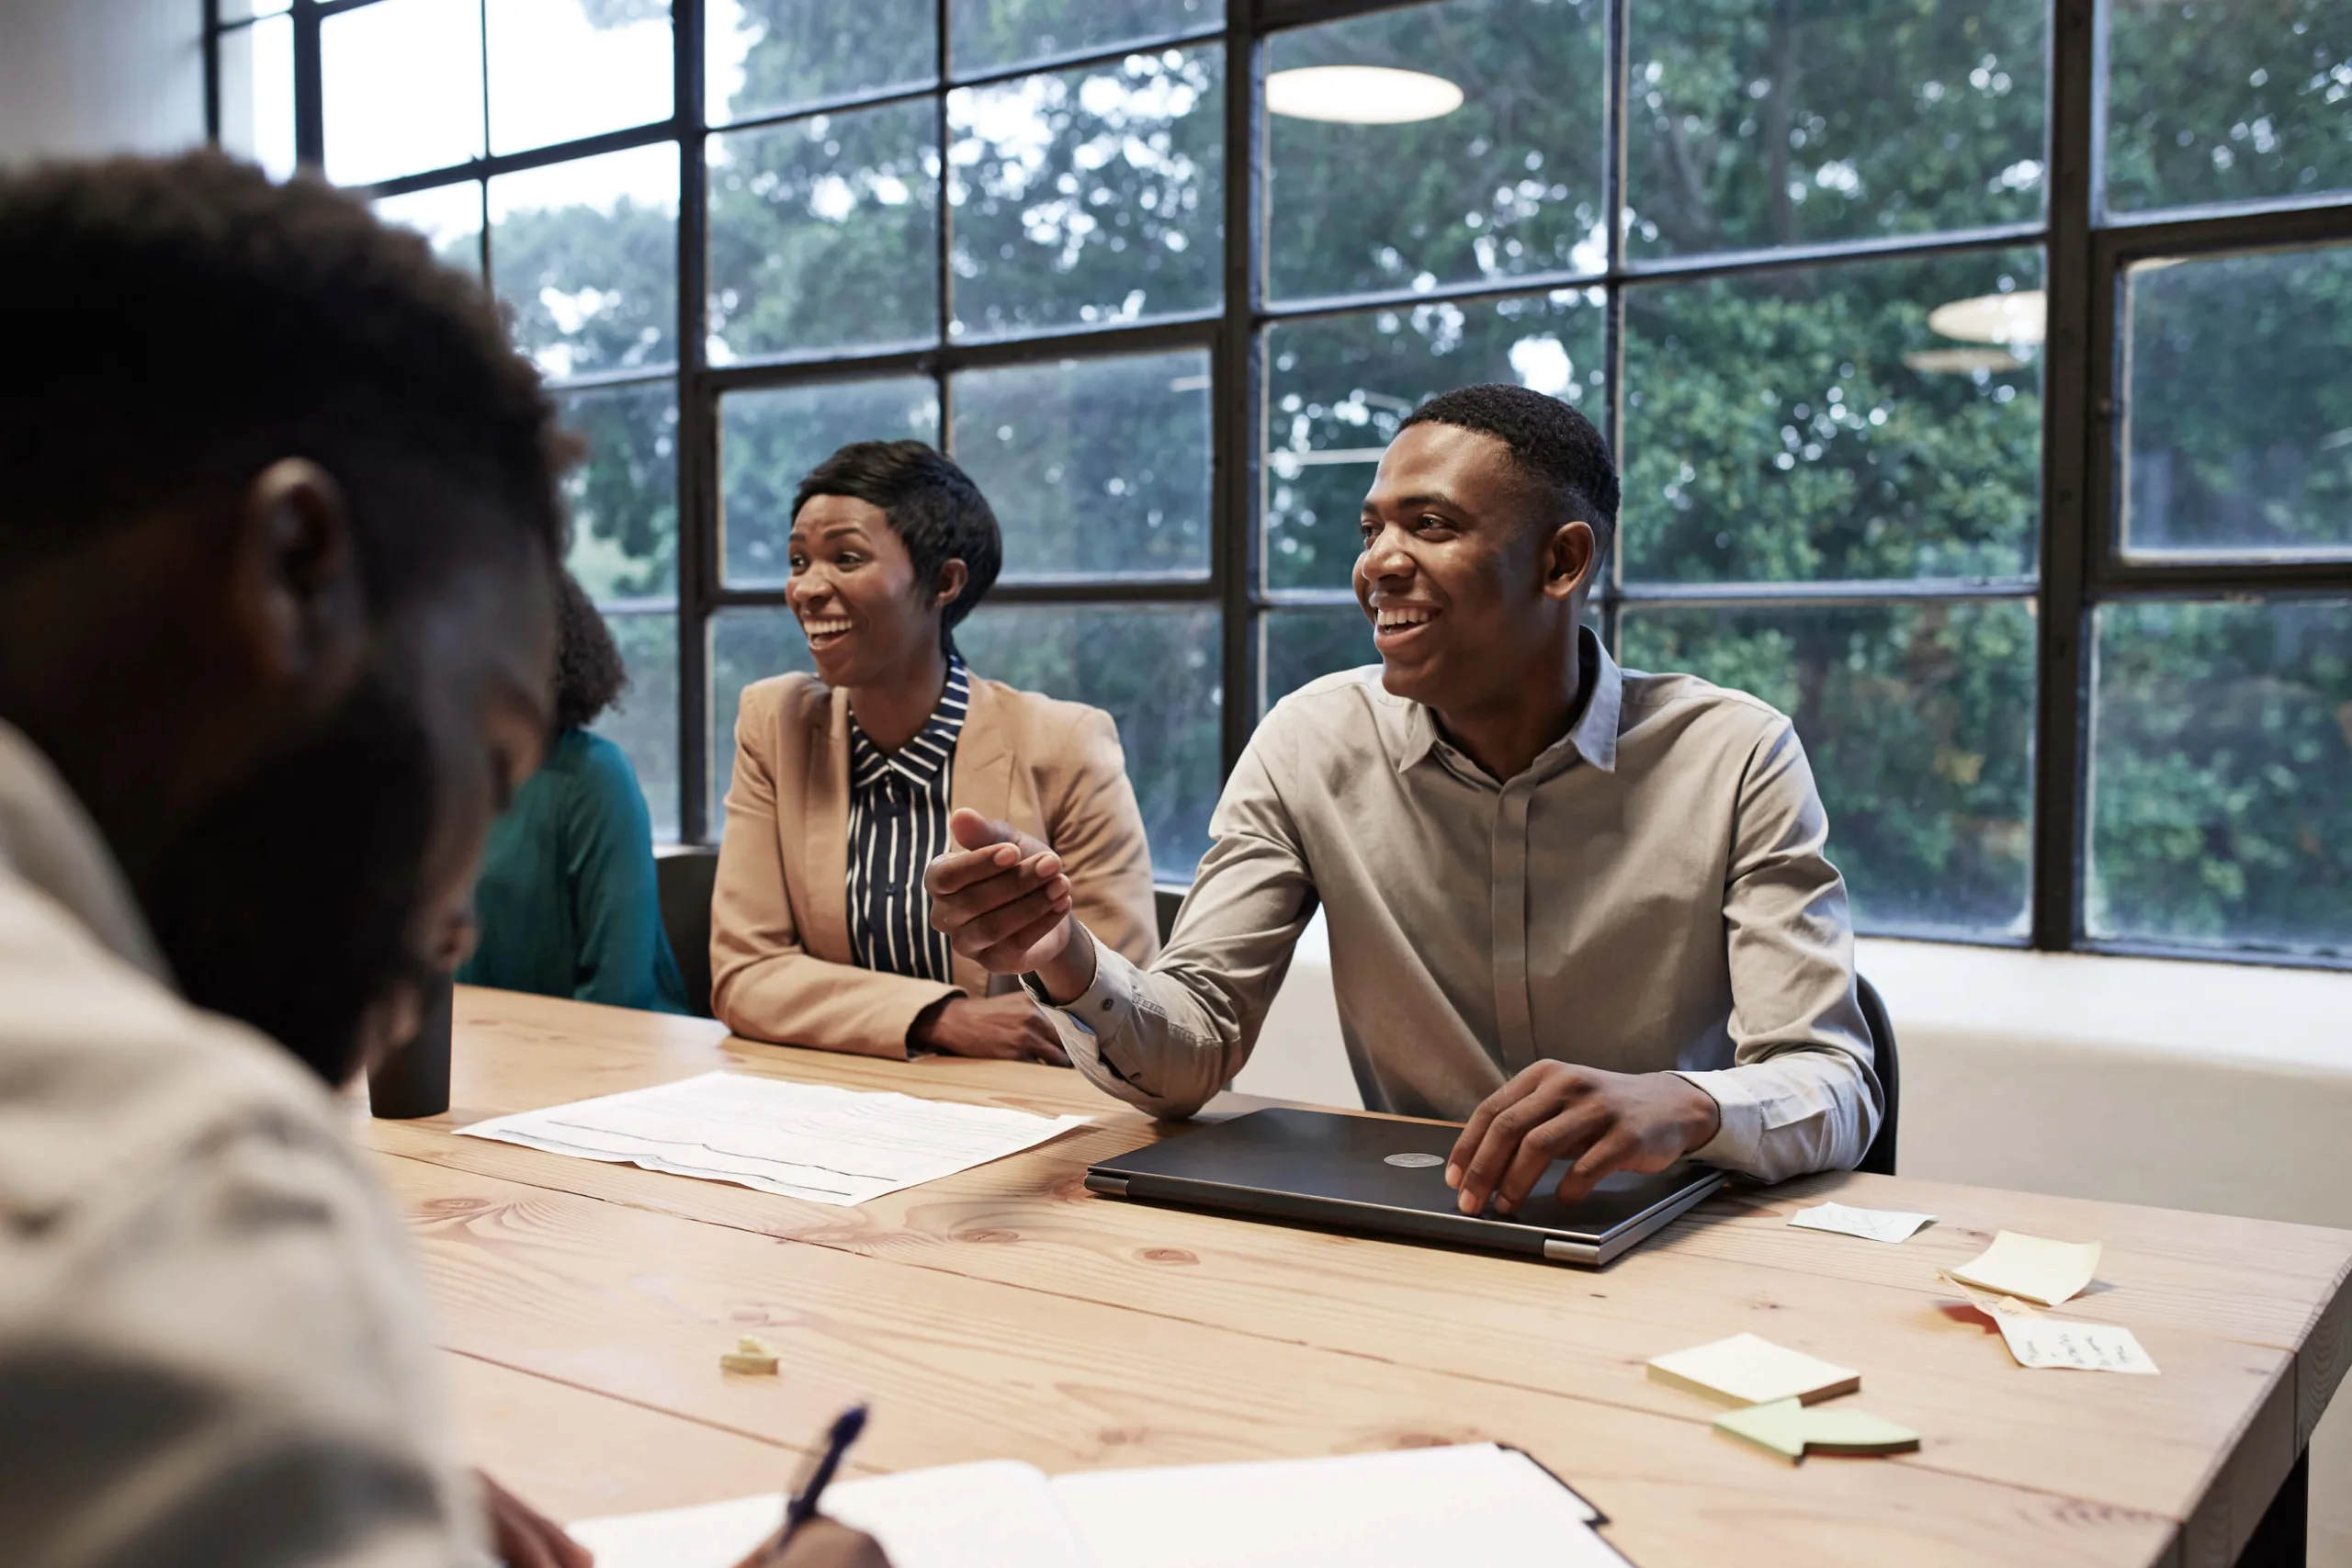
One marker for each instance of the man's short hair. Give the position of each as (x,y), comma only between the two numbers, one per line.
(176,325)
(934,507)
(1549,441)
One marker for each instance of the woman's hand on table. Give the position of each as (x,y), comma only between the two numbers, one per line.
(1006,1028)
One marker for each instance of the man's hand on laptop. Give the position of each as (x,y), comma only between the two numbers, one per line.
(1004,901)
(1553,1111)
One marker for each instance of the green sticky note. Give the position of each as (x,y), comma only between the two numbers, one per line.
(1789,1427)
(1778,1426)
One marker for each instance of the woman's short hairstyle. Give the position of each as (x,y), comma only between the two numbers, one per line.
(589,674)
(934,507)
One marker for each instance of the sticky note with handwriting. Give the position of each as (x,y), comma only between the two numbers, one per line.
(2038,1341)
(1888,1226)
(2028,1266)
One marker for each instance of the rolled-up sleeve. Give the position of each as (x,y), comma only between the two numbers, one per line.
(1802,1094)
(1168,1038)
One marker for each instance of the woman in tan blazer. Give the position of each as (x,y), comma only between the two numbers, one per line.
(820,930)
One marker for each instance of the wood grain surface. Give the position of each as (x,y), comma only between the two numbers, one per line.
(1009,1311)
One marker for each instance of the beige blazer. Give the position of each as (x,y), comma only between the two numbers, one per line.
(780,966)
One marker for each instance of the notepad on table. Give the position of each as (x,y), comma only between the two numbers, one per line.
(801,1140)
(1409,1508)
(1749,1369)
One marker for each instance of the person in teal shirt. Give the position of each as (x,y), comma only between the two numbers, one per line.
(567,904)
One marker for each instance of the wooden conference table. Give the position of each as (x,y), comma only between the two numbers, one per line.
(1008,1312)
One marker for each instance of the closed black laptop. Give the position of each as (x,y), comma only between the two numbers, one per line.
(1364,1173)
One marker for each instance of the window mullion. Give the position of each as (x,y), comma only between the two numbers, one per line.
(697,430)
(2067,525)
(309,111)
(1236,417)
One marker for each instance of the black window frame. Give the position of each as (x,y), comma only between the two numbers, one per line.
(2087,251)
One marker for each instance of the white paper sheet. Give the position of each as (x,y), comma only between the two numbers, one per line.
(716,1535)
(1890,1225)
(995,1514)
(1411,1508)
(828,1145)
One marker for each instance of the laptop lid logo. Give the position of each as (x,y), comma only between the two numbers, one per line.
(1414,1162)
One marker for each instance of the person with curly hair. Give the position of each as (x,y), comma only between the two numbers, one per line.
(567,903)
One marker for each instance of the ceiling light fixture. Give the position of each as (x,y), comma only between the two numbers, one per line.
(2006,319)
(1361,95)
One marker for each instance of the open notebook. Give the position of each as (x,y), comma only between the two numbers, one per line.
(1409,1508)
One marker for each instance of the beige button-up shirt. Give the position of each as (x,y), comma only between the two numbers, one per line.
(1651,895)
(212,1342)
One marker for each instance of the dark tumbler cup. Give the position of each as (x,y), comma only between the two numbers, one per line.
(415,1080)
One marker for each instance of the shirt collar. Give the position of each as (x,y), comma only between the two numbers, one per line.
(922,758)
(1593,736)
(50,841)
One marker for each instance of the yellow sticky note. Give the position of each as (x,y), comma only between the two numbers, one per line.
(751,1354)
(1748,1370)
(2034,1268)
(1790,1430)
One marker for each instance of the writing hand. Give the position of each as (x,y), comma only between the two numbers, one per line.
(822,1543)
(522,1537)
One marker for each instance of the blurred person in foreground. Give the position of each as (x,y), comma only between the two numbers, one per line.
(277,528)
(820,932)
(1586,910)
(566,902)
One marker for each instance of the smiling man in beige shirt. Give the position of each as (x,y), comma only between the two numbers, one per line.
(1587,909)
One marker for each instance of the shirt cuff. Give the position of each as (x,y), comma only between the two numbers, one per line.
(1096,1015)
(1739,1137)
(1102,993)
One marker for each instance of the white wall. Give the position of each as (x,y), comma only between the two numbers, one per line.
(82,77)
(2221,1088)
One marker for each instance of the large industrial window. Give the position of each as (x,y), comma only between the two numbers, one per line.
(1981,372)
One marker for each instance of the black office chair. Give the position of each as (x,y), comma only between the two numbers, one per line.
(1166,901)
(1880,1158)
(682,878)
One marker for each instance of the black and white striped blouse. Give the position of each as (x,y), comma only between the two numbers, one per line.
(898,823)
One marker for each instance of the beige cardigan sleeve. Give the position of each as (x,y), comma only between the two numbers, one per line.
(765,984)
(1097,828)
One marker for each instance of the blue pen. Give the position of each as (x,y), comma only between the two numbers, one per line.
(810,1489)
